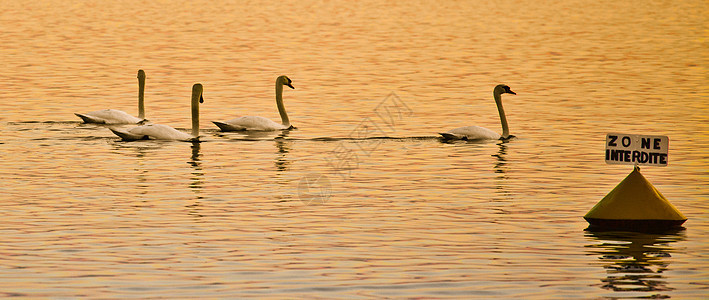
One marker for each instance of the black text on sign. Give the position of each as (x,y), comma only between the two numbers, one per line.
(633,149)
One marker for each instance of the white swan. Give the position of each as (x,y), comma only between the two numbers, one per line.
(261,123)
(163,132)
(481,133)
(114,116)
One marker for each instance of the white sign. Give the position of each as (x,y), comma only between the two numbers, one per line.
(633,149)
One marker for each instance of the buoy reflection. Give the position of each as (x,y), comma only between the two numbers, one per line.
(635,262)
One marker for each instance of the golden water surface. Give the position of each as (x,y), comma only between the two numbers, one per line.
(362,200)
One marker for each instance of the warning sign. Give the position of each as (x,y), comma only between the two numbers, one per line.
(633,149)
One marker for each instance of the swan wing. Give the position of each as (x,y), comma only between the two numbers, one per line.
(471,133)
(227,127)
(109,116)
(90,119)
(128,136)
(449,136)
(250,123)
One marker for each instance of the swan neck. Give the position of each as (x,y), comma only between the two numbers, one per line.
(503,118)
(279,103)
(196,96)
(141,97)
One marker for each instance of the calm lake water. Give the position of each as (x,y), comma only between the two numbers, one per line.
(362,201)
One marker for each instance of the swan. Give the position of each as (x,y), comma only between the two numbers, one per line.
(481,133)
(261,123)
(114,116)
(163,132)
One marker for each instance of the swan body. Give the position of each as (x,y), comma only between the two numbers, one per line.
(152,132)
(481,133)
(471,133)
(254,123)
(114,116)
(109,116)
(164,132)
(250,123)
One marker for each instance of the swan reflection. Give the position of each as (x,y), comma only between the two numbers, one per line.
(501,163)
(197,172)
(634,262)
(501,168)
(196,179)
(284,146)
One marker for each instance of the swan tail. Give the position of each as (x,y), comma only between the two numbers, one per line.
(227,127)
(127,136)
(90,119)
(450,136)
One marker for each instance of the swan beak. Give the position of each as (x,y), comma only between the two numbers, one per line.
(290,85)
(511,92)
(201,99)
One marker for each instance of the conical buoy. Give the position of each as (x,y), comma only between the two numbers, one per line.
(636,205)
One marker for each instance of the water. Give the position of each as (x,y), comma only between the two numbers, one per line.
(362,200)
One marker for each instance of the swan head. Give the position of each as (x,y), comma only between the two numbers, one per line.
(197,90)
(141,74)
(503,89)
(285,81)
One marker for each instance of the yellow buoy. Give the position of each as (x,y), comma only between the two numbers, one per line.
(634,204)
